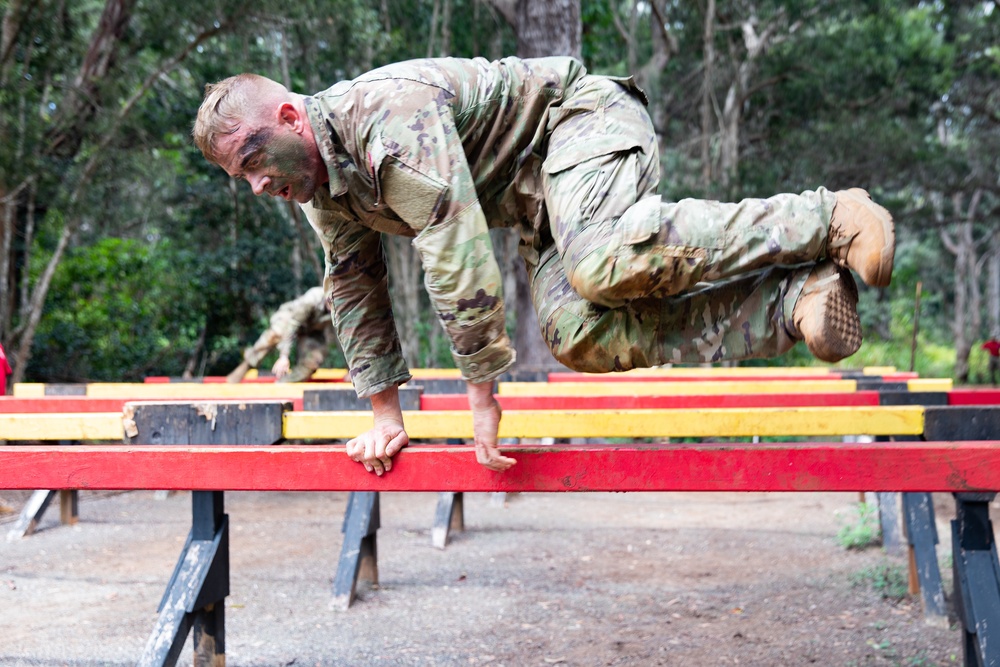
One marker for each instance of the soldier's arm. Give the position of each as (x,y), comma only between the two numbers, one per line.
(425,178)
(356,286)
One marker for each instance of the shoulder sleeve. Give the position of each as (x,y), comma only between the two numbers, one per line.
(423,175)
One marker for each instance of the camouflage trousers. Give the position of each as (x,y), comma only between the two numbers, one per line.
(311,350)
(631,281)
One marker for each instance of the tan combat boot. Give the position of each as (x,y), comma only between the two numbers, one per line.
(826,313)
(862,237)
(237,373)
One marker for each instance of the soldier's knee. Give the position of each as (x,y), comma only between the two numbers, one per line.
(590,278)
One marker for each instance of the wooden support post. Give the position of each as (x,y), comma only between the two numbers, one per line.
(918,512)
(448,517)
(31,514)
(450,513)
(359,551)
(924,573)
(975,560)
(69,506)
(195,596)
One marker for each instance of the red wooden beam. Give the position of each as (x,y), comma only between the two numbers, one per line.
(763,376)
(637,377)
(66,404)
(461,402)
(912,466)
(974,397)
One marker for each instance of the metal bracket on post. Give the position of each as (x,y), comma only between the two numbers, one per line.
(196,593)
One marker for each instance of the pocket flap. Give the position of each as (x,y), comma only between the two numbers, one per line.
(574,154)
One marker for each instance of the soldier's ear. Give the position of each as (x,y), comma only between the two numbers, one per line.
(289,115)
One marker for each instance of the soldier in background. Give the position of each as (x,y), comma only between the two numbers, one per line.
(439,150)
(304,322)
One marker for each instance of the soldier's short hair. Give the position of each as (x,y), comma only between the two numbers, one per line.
(230,104)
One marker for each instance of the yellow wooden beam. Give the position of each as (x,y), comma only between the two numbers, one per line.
(930,384)
(777,371)
(708,423)
(65,426)
(329,374)
(694,388)
(439,425)
(28,390)
(878,370)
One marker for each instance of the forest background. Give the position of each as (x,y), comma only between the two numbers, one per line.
(123,253)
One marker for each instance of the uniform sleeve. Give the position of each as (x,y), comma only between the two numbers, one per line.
(424,177)
(356,286)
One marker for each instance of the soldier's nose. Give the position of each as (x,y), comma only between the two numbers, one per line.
(259,185)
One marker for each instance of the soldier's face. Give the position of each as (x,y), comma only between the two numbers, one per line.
(275,161)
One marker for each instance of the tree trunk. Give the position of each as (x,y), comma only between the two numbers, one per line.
(967,318)
(993,284)
(707,93)
(79,106)
(550,28)
(542,29)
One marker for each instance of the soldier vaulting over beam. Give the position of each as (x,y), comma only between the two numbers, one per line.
(442,149)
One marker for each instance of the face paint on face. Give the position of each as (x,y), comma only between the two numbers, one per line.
(280,163)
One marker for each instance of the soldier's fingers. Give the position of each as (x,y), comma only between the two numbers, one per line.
(398,441)
(371,461)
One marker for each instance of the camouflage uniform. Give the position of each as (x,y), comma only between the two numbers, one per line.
(440,150)
(304,320)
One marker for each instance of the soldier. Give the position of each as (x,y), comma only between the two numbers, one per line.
(440,150)
(304,320)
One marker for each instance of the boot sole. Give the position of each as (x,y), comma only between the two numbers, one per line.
(883,275)
(840,336)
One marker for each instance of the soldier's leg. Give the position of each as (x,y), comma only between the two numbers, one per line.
(309,356)
(620,241)
(747,317)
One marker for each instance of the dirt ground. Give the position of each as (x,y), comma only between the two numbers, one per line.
(548,579)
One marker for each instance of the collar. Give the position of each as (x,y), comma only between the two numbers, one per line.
(326,140)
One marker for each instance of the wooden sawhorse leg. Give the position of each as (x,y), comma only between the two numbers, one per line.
(359,552)
(34,509)
(921,533)
(448,517)
(450,513)
(195,597)
(977,579)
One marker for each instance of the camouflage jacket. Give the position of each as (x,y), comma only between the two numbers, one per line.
(305,314)
(438,150)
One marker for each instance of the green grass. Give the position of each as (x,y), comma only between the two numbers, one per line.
(861,530)
(890,580)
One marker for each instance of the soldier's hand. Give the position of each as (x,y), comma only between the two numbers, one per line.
(280,367)
(375,448)
(486,415)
